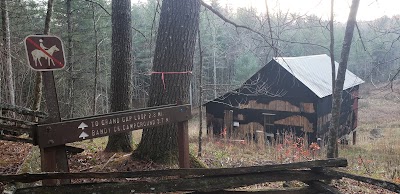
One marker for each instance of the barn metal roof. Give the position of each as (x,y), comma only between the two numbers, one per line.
(315,72)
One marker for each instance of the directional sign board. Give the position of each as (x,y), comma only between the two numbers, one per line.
(44,52)
(79,129)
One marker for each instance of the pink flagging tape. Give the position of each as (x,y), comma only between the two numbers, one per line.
(173,72)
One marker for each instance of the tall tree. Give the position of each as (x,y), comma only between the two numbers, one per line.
(337,94)
(121,61)
(175,46)
(70,64)
(7,52)
(39,76)
(96,59)
(332,47)
(200,79)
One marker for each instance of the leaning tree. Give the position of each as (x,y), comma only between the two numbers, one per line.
(332,150)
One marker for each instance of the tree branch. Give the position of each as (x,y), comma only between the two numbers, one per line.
(254,31)
(102,7)
(231,22)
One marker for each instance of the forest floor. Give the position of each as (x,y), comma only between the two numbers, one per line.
(376,153)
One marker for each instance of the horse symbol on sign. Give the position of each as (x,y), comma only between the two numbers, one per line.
(42,49)
(38,54)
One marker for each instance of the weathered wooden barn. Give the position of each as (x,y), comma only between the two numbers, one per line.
(288,93)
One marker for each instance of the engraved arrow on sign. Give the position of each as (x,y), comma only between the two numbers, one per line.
(82,126)
(83,135)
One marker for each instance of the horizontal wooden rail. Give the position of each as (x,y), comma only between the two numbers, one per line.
(17,121)
(323,187)
(18,129)
(23,110)
(27,177)
(299,190)
(201,184)
(16,139)
(380,183)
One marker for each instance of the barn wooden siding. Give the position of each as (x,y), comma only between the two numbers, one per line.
(252,117)
(287,94)
(349,113)
(301,117)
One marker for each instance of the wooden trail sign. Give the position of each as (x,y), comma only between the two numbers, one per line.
(79,129)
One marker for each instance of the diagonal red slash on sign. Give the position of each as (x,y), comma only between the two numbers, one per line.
(45,52)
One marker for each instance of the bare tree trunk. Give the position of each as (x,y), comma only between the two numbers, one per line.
(337,95)
(7,52)
(175,46)
(39,79)
(332,49)
(121,62)
(1,83)
(96,60)
(70,64)
(38,92)
(134,84)
(48,16)
(270,30)
(200,95)
(214,62)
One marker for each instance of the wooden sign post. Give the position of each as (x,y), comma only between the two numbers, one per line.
(53,159)
(46,53)
(183,143)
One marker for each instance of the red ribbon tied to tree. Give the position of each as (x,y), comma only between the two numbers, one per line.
(171,72)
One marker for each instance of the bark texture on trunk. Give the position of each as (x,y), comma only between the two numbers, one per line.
(337,94)
(7,53)
(96,61)
(175,46)
(332,48)
(70,65)
(200,95)
(120,70)
(38,93)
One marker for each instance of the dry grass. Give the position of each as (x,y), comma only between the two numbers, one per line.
(377,155)
(374,157)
